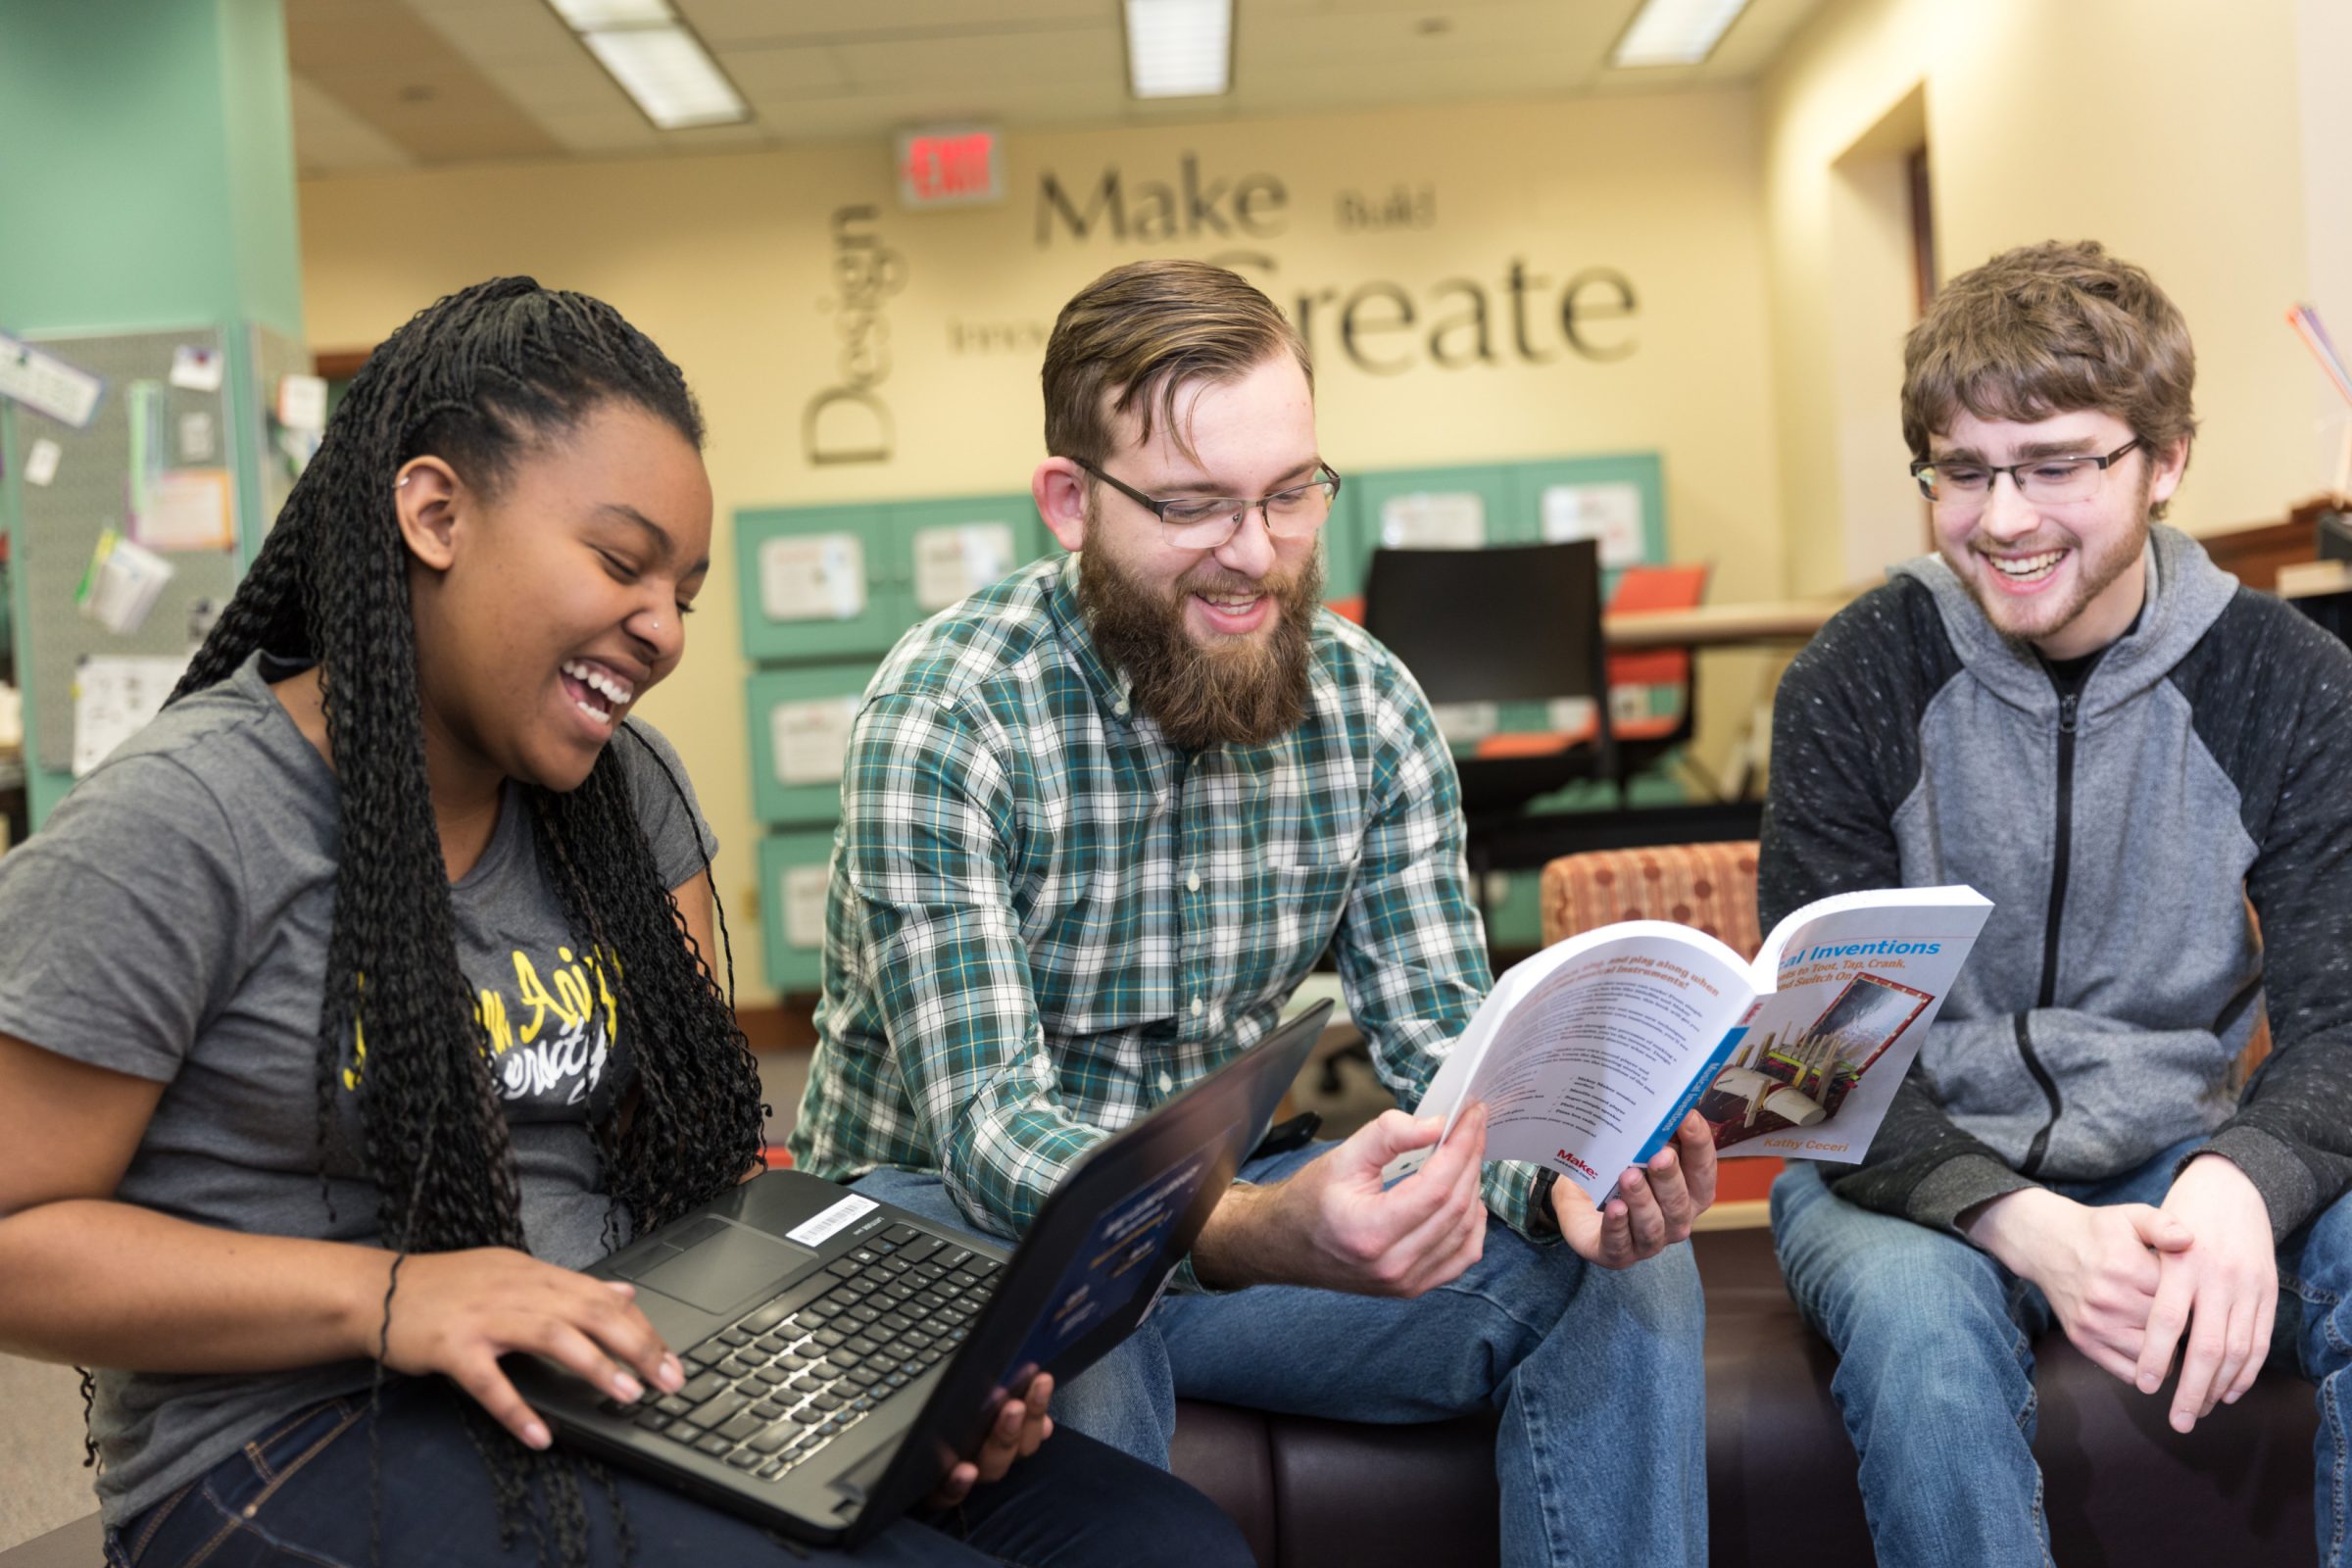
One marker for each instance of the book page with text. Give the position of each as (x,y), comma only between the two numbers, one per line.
(1580,1050)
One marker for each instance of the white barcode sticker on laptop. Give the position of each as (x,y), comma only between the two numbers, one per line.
(849,1211)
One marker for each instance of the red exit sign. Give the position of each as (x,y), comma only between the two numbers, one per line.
(949,167)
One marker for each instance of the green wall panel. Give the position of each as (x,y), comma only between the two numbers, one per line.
(1453,509)
(944,550)
(816,583)
(791,884)
(1619,499)
(800,720)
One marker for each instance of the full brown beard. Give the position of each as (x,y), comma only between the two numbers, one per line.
(1241,691)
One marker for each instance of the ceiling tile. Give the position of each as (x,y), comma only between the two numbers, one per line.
(331,140)
(386,66)
(723,23)
(877,115)
(494,32)
(600,131)
(1033,59)
(505,78)
(765,71)
(547,86)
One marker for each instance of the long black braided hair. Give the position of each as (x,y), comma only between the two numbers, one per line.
(478,379)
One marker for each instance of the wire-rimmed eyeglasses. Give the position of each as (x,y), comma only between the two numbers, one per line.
(1206,523)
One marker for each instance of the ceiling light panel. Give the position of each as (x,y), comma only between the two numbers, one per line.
(589,16)
(667,69)
(1674,33)
(1179,48)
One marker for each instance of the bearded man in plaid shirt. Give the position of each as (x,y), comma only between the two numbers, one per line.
(1098,821)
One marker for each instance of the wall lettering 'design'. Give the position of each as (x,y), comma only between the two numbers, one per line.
(849,422)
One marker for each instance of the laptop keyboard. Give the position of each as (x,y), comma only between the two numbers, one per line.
(774,1388)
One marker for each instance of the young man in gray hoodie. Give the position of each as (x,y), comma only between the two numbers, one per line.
(2148,769)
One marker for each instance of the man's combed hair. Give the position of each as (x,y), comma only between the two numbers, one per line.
(479,379)
(1137,336)
(2047,329)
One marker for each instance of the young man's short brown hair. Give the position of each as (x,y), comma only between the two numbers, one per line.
(1139,333)
(2047,329)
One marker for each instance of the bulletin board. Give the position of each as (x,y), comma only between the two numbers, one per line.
(90,492)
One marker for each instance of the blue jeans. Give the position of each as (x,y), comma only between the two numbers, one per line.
(1935,1356)
(299,1494)
(1597,1373)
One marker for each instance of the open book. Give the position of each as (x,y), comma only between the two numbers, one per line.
(1588,1055)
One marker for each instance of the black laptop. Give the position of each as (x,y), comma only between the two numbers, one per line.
(841,1354)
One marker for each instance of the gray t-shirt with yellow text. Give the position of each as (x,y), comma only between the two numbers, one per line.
(171,920)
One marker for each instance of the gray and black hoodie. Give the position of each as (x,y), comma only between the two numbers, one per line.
(2128,836)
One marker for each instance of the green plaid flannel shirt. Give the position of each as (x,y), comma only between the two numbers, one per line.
(1044,919)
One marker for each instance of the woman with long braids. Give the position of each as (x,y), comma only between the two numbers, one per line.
(365,995)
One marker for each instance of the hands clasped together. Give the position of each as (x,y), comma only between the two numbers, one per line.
(2127,1280)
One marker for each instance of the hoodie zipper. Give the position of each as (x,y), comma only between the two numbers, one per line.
(2060,849)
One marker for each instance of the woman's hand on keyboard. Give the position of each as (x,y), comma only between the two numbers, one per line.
(457,1313)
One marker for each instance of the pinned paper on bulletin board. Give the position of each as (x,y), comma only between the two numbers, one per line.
(302,401)
(197,441)
(1609,512)
(1434,521)
(47,384)
(40,463)
(197,367)
(188,508)
(121,584)
(957,561)
(114,698)
(810,740)
(804,905)
(816,576)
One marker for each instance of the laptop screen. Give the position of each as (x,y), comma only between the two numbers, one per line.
(1124,1255)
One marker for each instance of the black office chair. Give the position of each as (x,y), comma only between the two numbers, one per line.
(1503,624)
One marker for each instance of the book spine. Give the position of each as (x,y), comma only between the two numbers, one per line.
(1707,1069)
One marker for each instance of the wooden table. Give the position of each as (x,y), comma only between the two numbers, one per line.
(1719,626)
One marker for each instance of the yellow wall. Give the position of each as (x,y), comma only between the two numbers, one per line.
(728,263)
(2171,131)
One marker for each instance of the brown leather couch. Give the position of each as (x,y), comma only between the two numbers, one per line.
(2122,1487)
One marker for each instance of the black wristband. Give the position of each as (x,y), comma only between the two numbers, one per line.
(1538,1196)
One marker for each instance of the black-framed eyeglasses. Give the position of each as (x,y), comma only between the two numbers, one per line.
(1206,523)
(1967,485)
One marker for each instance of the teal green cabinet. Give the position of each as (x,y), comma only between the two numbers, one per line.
(1346,547)
(836,582)
(799,728)
(1620,500)
(816,582)
(1439,509)
(942,551)
(793,872)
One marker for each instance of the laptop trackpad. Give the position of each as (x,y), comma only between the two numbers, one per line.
(717,1273)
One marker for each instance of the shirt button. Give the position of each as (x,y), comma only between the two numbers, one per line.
(1196,1007)
(1120,708)
(1191,882)
(1166,1083)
